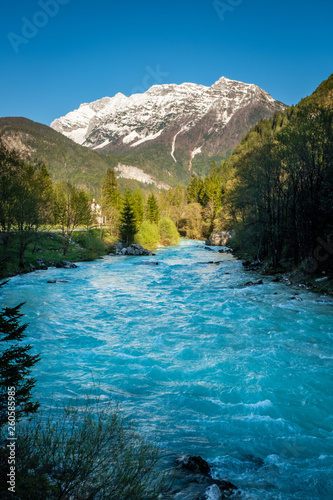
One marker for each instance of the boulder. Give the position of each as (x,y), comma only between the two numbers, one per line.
(220,239)
(136,250)
(41,264)
(57,281)
(64,264)
(192,480)
(251,283)
(151,263)
(118,248)
(197,465)
(211,493)
(252,266)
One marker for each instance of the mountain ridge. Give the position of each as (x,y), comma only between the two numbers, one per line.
(187,120)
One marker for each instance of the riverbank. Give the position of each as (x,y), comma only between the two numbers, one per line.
(46,250)
(313,277)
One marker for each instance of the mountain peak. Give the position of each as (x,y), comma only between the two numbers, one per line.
(188,117)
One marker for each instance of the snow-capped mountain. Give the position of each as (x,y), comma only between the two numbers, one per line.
(187,119)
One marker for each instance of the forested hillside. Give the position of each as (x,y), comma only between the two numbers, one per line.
(281,202)
(275,190)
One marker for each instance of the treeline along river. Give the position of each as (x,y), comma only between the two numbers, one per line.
(205,365)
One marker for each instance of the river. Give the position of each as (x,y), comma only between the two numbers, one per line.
(239,375)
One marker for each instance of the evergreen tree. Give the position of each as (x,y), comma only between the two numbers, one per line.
(15,365)
(137,197)
(193,191)
(127,222)
(111,195)
(111,198)
(152,209)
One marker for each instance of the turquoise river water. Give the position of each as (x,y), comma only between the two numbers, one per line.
(239,375)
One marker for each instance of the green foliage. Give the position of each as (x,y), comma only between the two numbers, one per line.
(148,235)
(194,190)
(137,197)
(153,212)
(71,209)
(48,247)
(111,199)
(168,234)
(191,222)
(85,452)
(91,241)
(172,203)
(16,362)
(111,195)
(65,160)
(26,199)
(282,199)
(127,222)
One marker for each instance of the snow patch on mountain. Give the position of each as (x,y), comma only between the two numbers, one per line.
(174,144)
(105,143)
(149,137)
(135,173)
(131,137)
(162,113)
(195,152)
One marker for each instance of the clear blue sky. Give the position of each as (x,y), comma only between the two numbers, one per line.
(91,49)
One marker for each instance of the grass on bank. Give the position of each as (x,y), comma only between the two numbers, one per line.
(45,248)
(48,248)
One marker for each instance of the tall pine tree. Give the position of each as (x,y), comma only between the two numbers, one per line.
(15,365)
(111,199)
(127,222)
(152,209)
(111,195)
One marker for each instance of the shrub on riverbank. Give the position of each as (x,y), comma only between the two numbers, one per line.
(150,235)
(45,249)
(86,452)
(168,232)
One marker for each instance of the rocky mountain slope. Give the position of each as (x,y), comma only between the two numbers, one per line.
(174,127)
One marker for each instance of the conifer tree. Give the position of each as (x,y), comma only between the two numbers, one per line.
(127,222)
(111,199)
(152,209)
(111,194)
(137,197)
(15,365)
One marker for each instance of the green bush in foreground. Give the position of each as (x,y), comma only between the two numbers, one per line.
(168,232)
(86,453)
(148,235)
